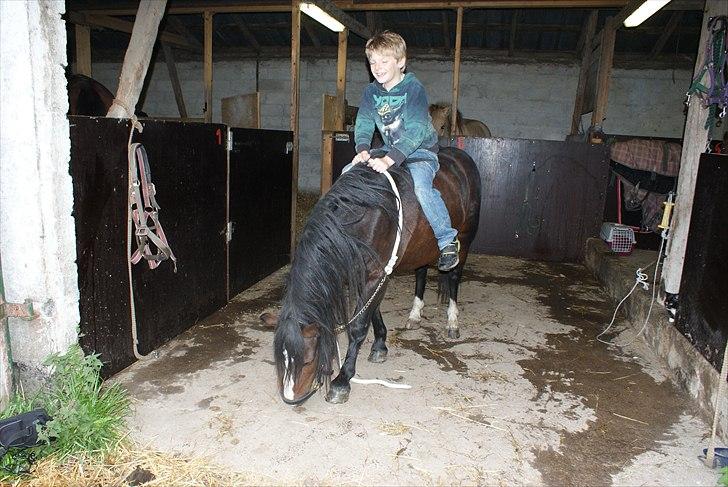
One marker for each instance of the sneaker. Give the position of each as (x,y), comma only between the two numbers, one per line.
(449,256)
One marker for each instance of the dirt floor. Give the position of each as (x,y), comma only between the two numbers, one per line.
(526,395)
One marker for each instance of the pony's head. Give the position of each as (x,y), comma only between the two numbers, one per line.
(441,115)
(301,365)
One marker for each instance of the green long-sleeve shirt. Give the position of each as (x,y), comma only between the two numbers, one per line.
(401,115)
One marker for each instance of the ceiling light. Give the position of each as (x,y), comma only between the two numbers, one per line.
(322,17)
(644,12)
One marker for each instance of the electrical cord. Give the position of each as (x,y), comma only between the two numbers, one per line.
(640,280)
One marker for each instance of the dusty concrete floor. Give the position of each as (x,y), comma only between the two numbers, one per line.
(525,396)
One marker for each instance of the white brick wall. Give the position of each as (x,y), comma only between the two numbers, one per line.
(532,101)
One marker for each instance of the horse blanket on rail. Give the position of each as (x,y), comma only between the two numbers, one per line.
(648,169)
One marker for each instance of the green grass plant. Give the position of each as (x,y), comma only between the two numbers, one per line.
(88,417)
(724,477)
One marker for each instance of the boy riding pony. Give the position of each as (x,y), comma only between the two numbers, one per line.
(396,104)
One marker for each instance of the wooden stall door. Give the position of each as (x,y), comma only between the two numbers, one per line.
(260,205)
(541,199)
(702,307)
(188,168)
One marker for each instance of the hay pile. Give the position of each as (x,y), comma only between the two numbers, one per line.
(128,465)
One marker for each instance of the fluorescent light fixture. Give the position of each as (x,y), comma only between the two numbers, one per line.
(322,17)
(644,12)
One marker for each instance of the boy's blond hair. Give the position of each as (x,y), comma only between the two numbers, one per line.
(387,42)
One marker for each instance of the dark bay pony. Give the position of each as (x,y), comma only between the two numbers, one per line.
(338,267)
(86,96)
(442,120)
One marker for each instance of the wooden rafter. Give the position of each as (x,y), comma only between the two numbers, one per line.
(311,32)
(83,50)
(285,6)
(174,79)
(112,23)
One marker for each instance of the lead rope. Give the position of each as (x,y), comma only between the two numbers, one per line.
(387,271)
(135,124)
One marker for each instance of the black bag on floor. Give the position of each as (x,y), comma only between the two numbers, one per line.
(20,431)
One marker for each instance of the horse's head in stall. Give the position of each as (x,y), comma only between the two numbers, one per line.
(441,115)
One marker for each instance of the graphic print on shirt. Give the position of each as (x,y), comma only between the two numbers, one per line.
(390,109)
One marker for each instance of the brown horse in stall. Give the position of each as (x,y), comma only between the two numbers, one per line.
(339,270)
(86,96)
(441,119)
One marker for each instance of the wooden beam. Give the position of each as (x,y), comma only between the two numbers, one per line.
(349,22)
(295,94)
(606,59)
(138,55)
(456,70)
(669,30)
(311,33)
(207,67)
(694,141)
(174,79)
(586,59)
(260,6)
(111,23)
(341,80)
(247,33)
(83,50)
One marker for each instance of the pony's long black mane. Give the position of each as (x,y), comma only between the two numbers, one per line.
(332,261)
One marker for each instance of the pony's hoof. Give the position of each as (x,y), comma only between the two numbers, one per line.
(337,395)
(378,356)
(412,325)
(453,333)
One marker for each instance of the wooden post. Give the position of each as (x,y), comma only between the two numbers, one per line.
(695,138)
(83,50)
(208,66)
(174,79)
(456,71)
(606,58)
(586,59)
(295,88)
(341,80)
(137,57)
(327,153)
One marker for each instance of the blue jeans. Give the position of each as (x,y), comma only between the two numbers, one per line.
(423,166)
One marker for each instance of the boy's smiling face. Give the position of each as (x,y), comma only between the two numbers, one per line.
(386,69)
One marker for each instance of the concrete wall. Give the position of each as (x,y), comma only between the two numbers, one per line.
(514,100)
(37,234)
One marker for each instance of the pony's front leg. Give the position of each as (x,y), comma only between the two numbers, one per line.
(379,347)
(453,278)
(415,317)
(340,388)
